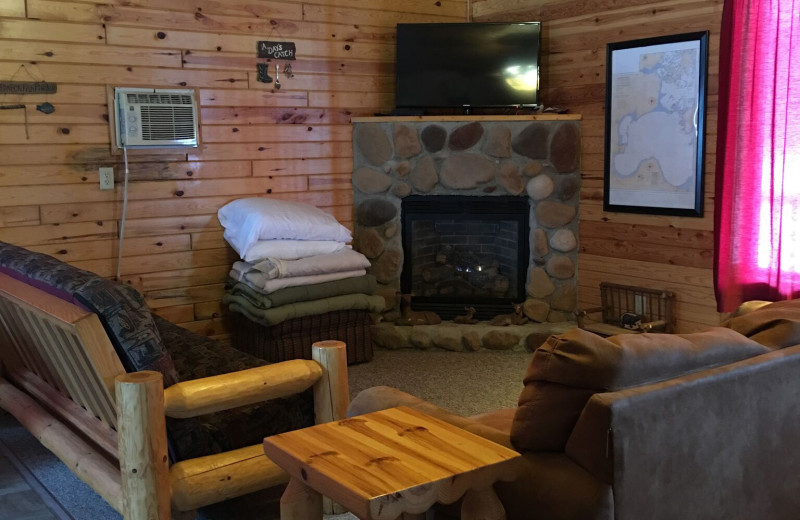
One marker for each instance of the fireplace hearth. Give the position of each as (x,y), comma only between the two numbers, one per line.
(465,251)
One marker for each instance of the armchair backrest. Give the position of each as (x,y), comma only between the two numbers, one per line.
(59,342)
(711,444)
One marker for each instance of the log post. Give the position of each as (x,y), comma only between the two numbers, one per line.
(331,391)
(300,502)
(142,433)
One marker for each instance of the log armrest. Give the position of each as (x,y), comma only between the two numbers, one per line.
(245,387)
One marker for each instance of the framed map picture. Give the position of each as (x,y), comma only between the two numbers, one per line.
(655,117)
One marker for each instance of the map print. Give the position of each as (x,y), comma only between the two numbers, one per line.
(653,141)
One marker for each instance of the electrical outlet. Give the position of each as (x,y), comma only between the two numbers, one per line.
(106,178)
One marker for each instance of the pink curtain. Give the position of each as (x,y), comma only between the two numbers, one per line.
(757,211)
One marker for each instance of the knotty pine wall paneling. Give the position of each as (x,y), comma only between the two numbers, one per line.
(653,251)
(293,143)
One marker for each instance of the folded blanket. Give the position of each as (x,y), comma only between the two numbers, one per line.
(362,284)
(291,249)
(270,317)
(271,268)
(256,279)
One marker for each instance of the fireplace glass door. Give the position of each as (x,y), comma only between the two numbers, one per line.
(465,251)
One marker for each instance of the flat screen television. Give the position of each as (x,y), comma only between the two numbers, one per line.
(445,65)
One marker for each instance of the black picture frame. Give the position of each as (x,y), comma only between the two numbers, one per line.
(655,125)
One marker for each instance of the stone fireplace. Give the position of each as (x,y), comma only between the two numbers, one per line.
(420,191)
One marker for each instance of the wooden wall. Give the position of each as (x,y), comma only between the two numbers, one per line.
(294,143)
(652,251)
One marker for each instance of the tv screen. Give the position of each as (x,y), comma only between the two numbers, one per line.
(442,65)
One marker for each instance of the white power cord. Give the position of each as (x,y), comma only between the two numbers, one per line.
(124,213)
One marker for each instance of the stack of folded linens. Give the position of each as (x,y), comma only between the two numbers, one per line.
(295,263)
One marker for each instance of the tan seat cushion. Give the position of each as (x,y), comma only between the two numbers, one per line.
(569,368)
(498,419)
(776,325)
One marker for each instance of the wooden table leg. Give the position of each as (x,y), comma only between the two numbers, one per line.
(300,502)
(482,504)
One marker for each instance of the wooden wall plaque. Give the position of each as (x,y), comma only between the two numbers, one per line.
(277,50)
(27,87)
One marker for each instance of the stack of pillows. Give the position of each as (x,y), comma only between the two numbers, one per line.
(295,262)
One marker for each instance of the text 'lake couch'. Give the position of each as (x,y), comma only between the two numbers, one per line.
(702,426)
(83,360)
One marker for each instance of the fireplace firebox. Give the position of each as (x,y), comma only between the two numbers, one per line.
(465,251)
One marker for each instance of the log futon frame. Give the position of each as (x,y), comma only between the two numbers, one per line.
(62,379)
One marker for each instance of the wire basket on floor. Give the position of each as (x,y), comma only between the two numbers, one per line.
(292,339)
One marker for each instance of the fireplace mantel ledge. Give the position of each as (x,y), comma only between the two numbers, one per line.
(415,119)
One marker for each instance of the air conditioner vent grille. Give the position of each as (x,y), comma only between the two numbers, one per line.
(167,123)
(159,99)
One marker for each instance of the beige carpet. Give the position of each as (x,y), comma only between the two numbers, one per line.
(466,383)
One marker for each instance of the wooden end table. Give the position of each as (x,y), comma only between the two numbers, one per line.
(390,463)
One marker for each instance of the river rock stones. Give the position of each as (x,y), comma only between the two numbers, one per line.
(388,265)
(374,144)
(510,178)
(565,148)
(540,284)
(532,141)
(406,141)
(370,243)
(540,187)
(374,212)
(536,310)
(498,142)
(434,137)
(466,136)
(424,177)
(560,267)
(371,181)
(554,214)
(464,171)
(563,240)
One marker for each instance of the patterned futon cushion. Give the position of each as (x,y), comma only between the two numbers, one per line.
(197,356)
(121,309)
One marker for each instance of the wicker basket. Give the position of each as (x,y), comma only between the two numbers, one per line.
(292,339)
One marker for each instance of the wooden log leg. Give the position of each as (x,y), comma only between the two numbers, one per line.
(331,393)
(482,504)
(143,446)
(184,515)
(300,502)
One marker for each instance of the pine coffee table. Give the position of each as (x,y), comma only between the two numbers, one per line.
(390,463)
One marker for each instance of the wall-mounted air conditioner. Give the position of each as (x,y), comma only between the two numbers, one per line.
(155,118)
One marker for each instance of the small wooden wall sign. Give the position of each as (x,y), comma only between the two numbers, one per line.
(27,87)
(277,50)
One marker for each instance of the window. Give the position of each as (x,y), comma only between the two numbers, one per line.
(757,213)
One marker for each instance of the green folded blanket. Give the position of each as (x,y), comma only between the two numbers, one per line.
(275,315)
(361,284)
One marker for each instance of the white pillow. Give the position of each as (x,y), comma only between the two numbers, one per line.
(290,249)
(247,221)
